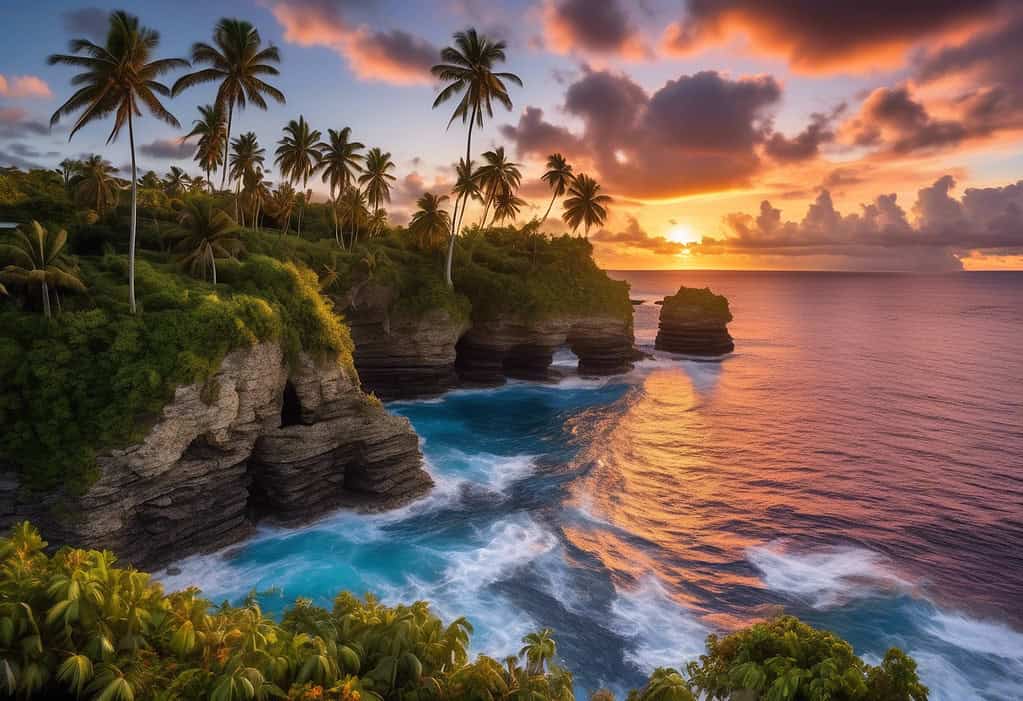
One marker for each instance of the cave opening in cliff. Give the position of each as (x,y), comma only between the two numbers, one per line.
(291,407)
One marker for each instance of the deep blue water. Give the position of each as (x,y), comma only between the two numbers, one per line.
(858,461)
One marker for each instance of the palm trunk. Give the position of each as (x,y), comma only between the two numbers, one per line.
(227,143)
(134,205)
(486,210)
(549,207)
(46,300)
(454,225)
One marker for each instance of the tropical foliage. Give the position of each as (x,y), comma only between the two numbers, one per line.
(38,259)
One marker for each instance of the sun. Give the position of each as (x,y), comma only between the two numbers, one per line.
(681,233)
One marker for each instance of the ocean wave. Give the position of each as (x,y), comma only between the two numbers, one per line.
(827,577)
(978,636)
(510,544)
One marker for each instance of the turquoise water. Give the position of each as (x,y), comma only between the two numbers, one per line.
(874,488)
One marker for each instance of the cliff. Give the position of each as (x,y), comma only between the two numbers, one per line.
(695,322)
(258,439)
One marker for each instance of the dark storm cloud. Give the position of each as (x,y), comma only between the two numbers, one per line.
(90,21)
(633,236)
(985,219)
(168,148)
(838,35)
(600,27)
(891,119)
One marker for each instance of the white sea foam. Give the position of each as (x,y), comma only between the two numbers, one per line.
(662,632)
(979,636)
(510,545)
(496,472)
(826,577)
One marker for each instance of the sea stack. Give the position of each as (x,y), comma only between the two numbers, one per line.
(695,322)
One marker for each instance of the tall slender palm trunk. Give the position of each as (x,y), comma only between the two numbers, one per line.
(46,299)
(550,206)
(454,230)
(227,143)
(134,205)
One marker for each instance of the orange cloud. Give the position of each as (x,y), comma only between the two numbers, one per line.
(24,86)
(394,56)
(848,36)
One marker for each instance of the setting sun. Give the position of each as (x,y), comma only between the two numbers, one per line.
(682,233)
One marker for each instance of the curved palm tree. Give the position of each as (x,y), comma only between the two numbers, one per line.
(211,128)
(298,156)
(238,62)
(376,180)
(118,78)
(341,160)
(585,205)
(539,649)
(507,206)
(208,234)
(430,223)
(95,184)
(38,259)
(558,177)
(497,175)
(467,187)
(175,182)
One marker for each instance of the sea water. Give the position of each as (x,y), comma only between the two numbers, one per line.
(858,461)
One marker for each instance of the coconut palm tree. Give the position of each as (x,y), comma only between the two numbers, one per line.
(281,205)
(211,129)
(150,181)
(118,79)
(352,210)
(558,177)
(246,156)
(67,170)
(298,156)
(197,184)
(238,62)
(256,192)
(585,205)
(539,649)
(38,259)
(497,175)
(467,187)
(507,206)
(207,234)
(95,184)
(377,221)
(376,180)
(430,223)
(340,160)
(175,181)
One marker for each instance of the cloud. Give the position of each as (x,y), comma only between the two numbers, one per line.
(597,27)
(10,159)
(892,119)
(634,237)
(90,21)
(537,137)
(881,236)
(695,134)
(24,86)
(807,143)
(171,149)
(393,56)
(15,123)
(847,35)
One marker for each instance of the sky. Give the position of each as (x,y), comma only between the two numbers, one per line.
(731,134)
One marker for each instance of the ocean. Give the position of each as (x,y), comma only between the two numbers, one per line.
(858,462)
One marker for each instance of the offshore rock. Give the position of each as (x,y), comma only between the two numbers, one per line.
(695,322)
(257,439)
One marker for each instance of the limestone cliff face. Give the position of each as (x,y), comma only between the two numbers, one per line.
(257,440)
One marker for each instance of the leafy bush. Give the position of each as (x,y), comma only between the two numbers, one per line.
(88,379)
(73,625)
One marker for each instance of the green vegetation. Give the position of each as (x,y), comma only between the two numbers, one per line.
(72,625)
(690,300)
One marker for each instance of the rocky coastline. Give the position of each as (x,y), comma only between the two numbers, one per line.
(695,322)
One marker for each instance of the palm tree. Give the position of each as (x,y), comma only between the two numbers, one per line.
(585,205)
(197,184)
(352,209)
(507,206)
(340,159)
(558,177)
(208,234)
(467,187)
(246,156)
(539,648)
(377,221)
(175,181)
(95,184)
(431,223)
(282,204)
(118,79)
(211,128)
(67,170)
(298,156)
(377,178)
(150,181)
(236,61)
(497,175)
(665,684)
(256,189)
(39,260)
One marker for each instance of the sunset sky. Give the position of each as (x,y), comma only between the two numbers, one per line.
(852,134)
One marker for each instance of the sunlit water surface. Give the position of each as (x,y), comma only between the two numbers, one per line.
(858,461)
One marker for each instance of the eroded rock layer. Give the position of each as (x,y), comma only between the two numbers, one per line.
(695,322)
(258,439)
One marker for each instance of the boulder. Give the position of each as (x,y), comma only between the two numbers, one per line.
(695,322)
